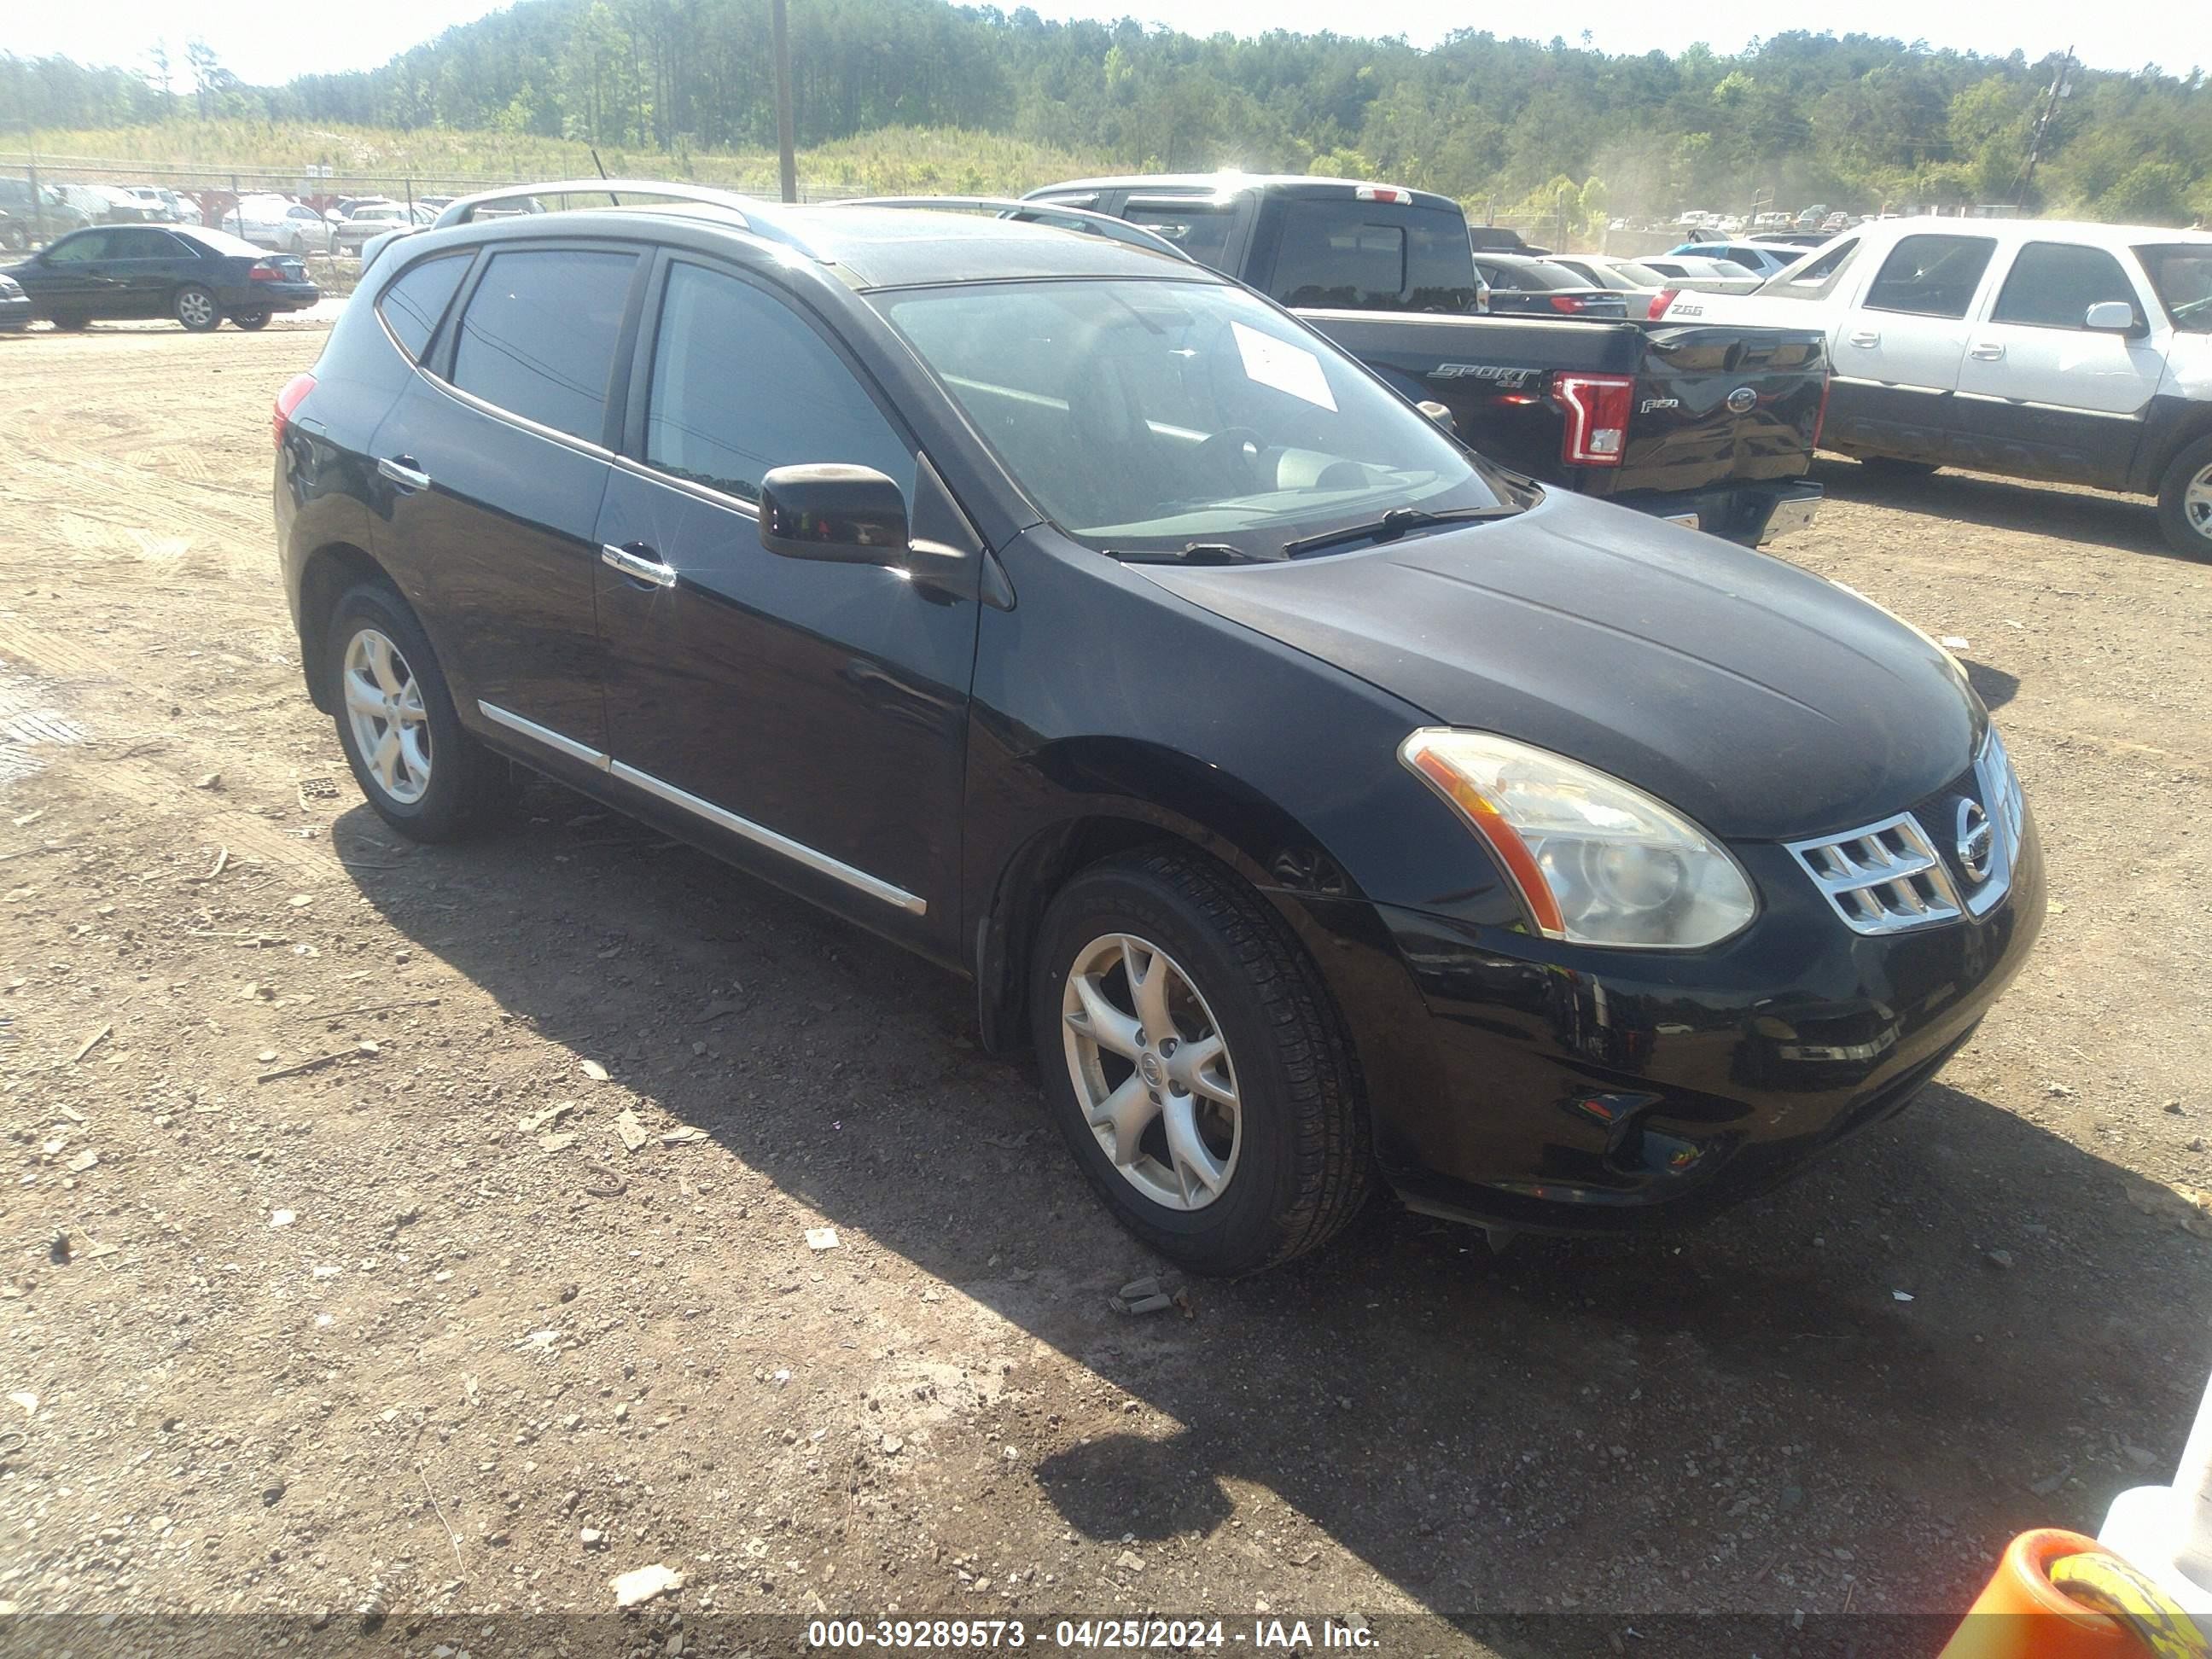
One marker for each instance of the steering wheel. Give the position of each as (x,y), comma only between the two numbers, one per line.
(1241,441)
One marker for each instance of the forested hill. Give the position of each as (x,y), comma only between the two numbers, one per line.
(1855,121)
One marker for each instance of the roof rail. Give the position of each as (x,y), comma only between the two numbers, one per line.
(1006,207)
(762,218)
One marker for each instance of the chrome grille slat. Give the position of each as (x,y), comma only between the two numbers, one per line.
(1887,878)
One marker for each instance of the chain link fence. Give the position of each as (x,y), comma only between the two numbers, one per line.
(43,197)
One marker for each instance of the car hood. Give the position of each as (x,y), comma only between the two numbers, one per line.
(1761,700)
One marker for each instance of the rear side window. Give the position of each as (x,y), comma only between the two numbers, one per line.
(741,384)
(411,305)
(1363,256)
(1198,228)
(2053,284)
(1931,276)
(539,336)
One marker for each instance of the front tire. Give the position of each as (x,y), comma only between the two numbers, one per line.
(251,321)
(69,323)
(422,773)
(2185,502)
(196,308)
(1195,1064)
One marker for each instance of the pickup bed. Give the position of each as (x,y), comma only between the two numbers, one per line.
(1682,419)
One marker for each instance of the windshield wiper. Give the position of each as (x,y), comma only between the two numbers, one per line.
(1395,523)
(1198,553)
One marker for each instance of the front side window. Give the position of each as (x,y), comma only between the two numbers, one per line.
(1144,416)
(145,244)
(2181,276)
(411,304)
(1366,256)
(1931,276)
(742,384)
(78,250)
(539,336)
(2053,284)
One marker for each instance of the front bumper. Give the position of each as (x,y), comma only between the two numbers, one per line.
(1751,515)
(1523,1083)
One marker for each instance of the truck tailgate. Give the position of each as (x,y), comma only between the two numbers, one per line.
(1716,402)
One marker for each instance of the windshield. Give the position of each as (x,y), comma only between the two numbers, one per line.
(2181,275)
(1144,416)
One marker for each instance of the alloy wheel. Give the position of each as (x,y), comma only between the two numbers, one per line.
(2196,504)
(195,309)
(384,709)
(1151,1072)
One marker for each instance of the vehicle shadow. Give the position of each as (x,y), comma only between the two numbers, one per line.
(1959,1325)
(2126,524)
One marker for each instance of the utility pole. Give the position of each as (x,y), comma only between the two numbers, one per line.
(787,162)
(2058,90)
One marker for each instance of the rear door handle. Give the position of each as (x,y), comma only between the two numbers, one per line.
(403,471)
(1990,352)
(638,566)
(1866,337)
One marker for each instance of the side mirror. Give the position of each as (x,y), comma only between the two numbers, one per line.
(1438,413)
(2113,317)
(832,511)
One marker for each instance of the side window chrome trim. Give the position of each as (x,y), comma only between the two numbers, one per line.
(760,834)
(583,445)
(707,493)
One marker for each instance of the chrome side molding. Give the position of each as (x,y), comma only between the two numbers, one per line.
(760,834)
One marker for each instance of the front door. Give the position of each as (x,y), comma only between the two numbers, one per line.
(1897,352)
(2042,395)
(815,714)
(492,465)
(70,279)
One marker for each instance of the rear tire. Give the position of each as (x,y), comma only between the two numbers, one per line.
(422,773)
(250,320)
(70,324)
(2185,502)
(196,308)
(1279,1170)
(1893,466)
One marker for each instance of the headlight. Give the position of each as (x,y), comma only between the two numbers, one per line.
(1597,862)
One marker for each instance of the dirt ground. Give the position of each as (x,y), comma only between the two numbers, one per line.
(414,1321)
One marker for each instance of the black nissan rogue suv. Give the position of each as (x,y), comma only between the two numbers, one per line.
(1328,805)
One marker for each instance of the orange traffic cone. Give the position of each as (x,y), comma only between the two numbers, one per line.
(2022,1614)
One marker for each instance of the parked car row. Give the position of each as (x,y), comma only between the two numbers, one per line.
(269,220)
(197,276)
(1325,804)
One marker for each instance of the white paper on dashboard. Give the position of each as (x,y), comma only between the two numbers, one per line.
(1283,365)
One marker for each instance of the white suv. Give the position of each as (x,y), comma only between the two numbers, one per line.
(2077,352)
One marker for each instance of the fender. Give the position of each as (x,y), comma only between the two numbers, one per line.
(1085,798)
(2171,424)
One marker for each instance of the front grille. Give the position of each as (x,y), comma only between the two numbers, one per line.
(1887,878)
(1883,878)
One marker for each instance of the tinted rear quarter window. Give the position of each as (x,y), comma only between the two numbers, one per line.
(413,302)
(1200,229)
(539,336)
(1931,276)
(2053,284)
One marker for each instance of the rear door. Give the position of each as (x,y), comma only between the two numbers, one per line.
(816,714)
(1212,230)
(1897,352)
(491,467)
(2042,393)
(146,267)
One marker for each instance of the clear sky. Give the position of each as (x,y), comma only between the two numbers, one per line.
(263,42)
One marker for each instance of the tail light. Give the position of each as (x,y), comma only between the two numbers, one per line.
(1380,193)
(1664,298)
(1596,407)
(289,399)
(1568,303)
(1821,420)
(266,273)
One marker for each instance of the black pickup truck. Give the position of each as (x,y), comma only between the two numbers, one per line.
(1692,421)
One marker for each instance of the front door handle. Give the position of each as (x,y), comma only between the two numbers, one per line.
(638,566)
(1990,352)
(1866,337)
(403,471)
